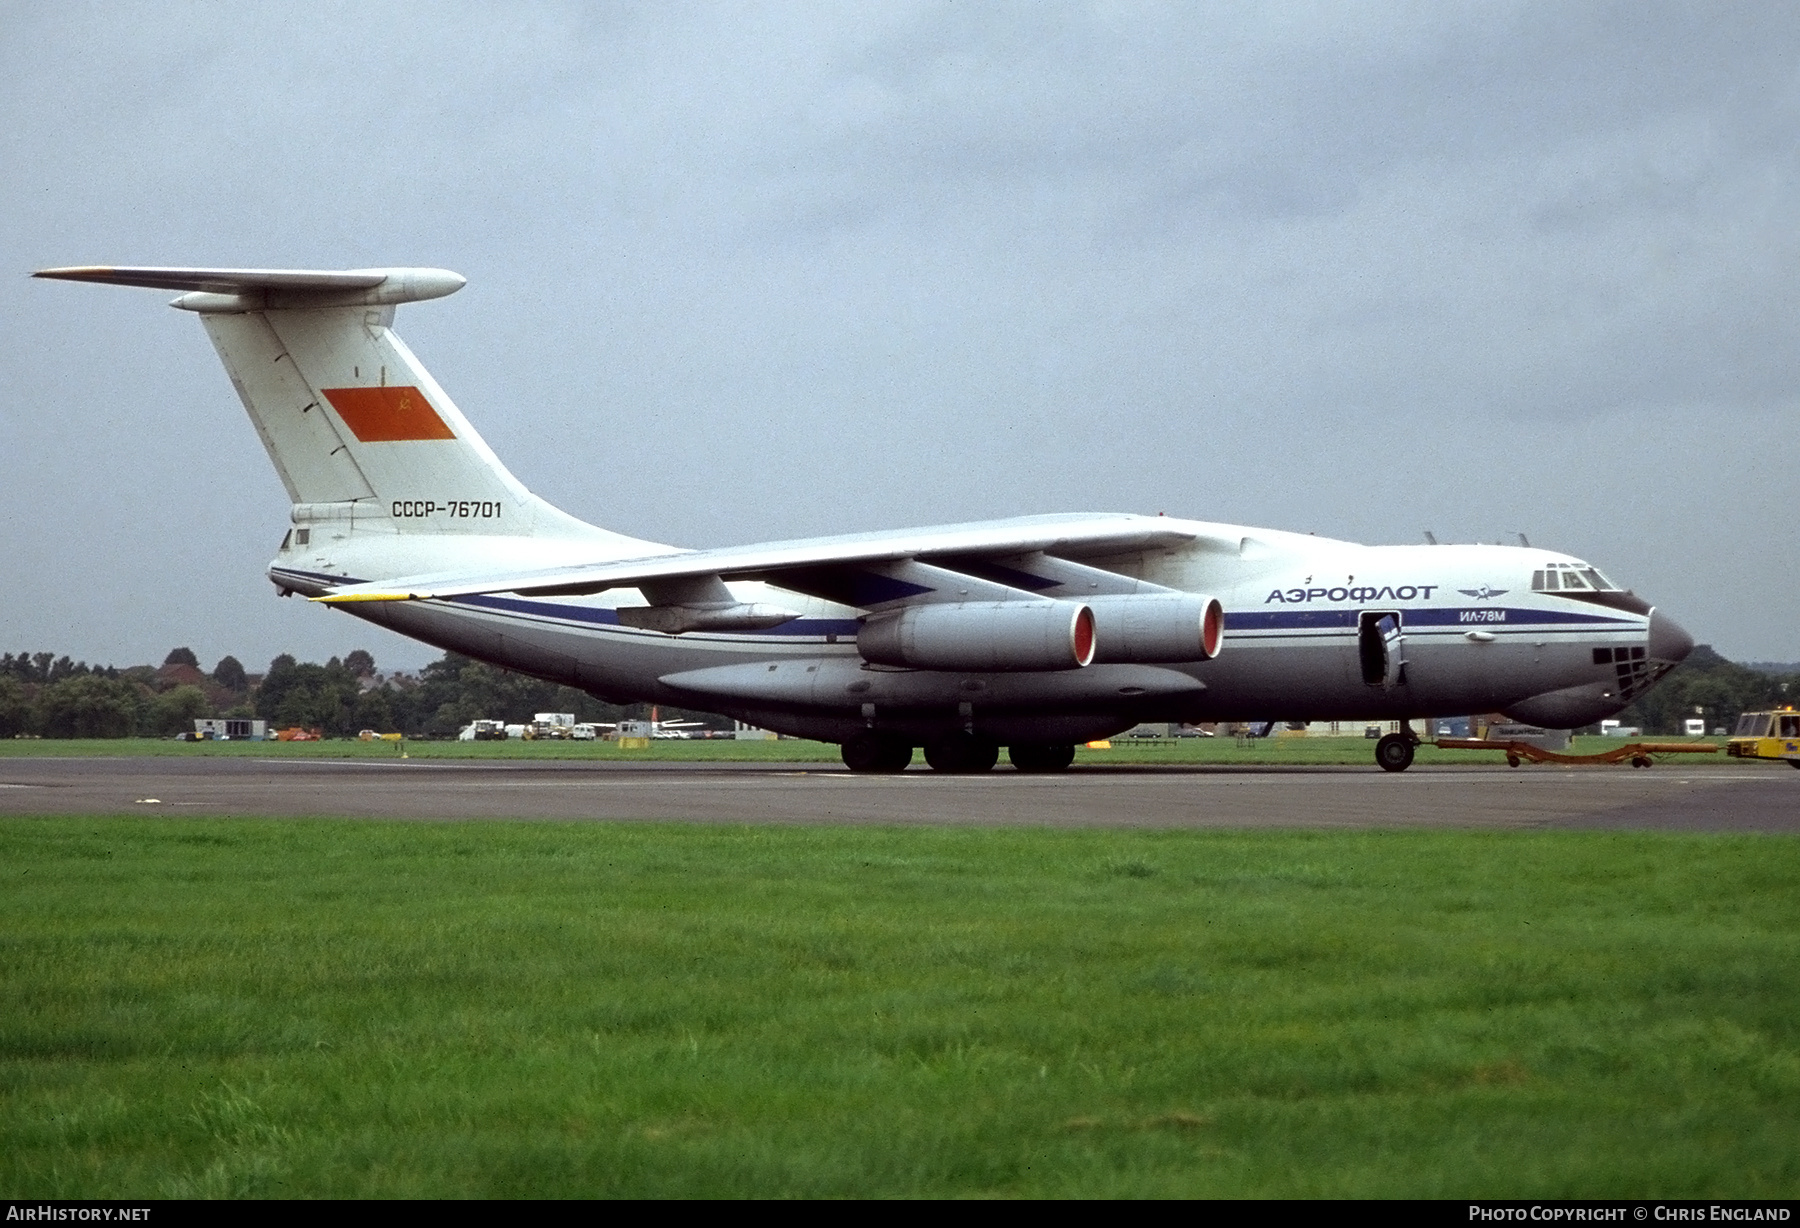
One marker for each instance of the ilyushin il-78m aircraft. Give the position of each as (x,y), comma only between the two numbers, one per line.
(1034,634)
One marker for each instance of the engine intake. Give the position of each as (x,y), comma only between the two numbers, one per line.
(1157,628)
(982,635)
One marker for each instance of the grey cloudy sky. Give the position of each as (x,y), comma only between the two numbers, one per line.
(744,272)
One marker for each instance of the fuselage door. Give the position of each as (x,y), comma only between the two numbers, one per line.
(1380,645)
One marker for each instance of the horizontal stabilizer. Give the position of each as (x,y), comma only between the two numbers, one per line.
(273,289)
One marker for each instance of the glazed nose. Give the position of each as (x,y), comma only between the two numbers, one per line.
(1668,640)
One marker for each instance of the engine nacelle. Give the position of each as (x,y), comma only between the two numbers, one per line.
(982,635)
(1157,628)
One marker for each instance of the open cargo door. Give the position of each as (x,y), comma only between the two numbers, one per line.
(1380,644)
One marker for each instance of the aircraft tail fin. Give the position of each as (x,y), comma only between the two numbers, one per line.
(355,425)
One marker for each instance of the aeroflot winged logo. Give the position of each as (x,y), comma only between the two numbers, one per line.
(387,415)
(1484,592)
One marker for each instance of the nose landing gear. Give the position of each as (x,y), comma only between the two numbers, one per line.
(1394,753)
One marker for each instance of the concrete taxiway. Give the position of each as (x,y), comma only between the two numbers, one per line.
(1717,797)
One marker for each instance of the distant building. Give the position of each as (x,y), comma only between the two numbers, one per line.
(221,729)
(1344,729)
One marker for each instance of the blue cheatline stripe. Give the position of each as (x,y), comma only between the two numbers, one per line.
(1288,620)
(1510,616)
(568,613)
(596,615)
(1009,576)
(868,588)
(316,575)
(604,617)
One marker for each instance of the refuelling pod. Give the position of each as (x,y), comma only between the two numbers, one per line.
(1157,628)
(982,635)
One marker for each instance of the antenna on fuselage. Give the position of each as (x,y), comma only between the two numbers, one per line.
(1430,538)
(1523,540)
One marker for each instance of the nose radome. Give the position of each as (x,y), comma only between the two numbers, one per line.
(1669,641)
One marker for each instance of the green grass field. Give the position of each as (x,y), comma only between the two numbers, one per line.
(1221,751)
(330,1008)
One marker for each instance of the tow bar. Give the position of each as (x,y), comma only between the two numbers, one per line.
(1639,754)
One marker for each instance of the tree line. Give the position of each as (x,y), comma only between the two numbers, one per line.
(445,696)
(54,697)
(1708,687)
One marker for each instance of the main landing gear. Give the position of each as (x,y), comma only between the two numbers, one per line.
(1041,756)
(1394,753)
(958,753)
(961,752)
(875,752)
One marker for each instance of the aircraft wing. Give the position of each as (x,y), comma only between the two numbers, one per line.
(1066,536)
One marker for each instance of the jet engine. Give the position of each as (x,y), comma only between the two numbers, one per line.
(1157,628)
(982,635)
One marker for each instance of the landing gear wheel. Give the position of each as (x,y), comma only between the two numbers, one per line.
(961,752)
(1394,753)
(874,752)
(1041,756)
(1512,761)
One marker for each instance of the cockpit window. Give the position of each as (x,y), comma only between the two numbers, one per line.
(1562,577)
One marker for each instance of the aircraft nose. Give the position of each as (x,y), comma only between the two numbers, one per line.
(1669,641)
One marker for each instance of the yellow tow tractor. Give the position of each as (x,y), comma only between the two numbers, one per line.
(1767,735)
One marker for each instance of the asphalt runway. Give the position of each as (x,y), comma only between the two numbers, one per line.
(1672,796)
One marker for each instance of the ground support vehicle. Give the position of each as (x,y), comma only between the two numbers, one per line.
(1767,735)
(483,731)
